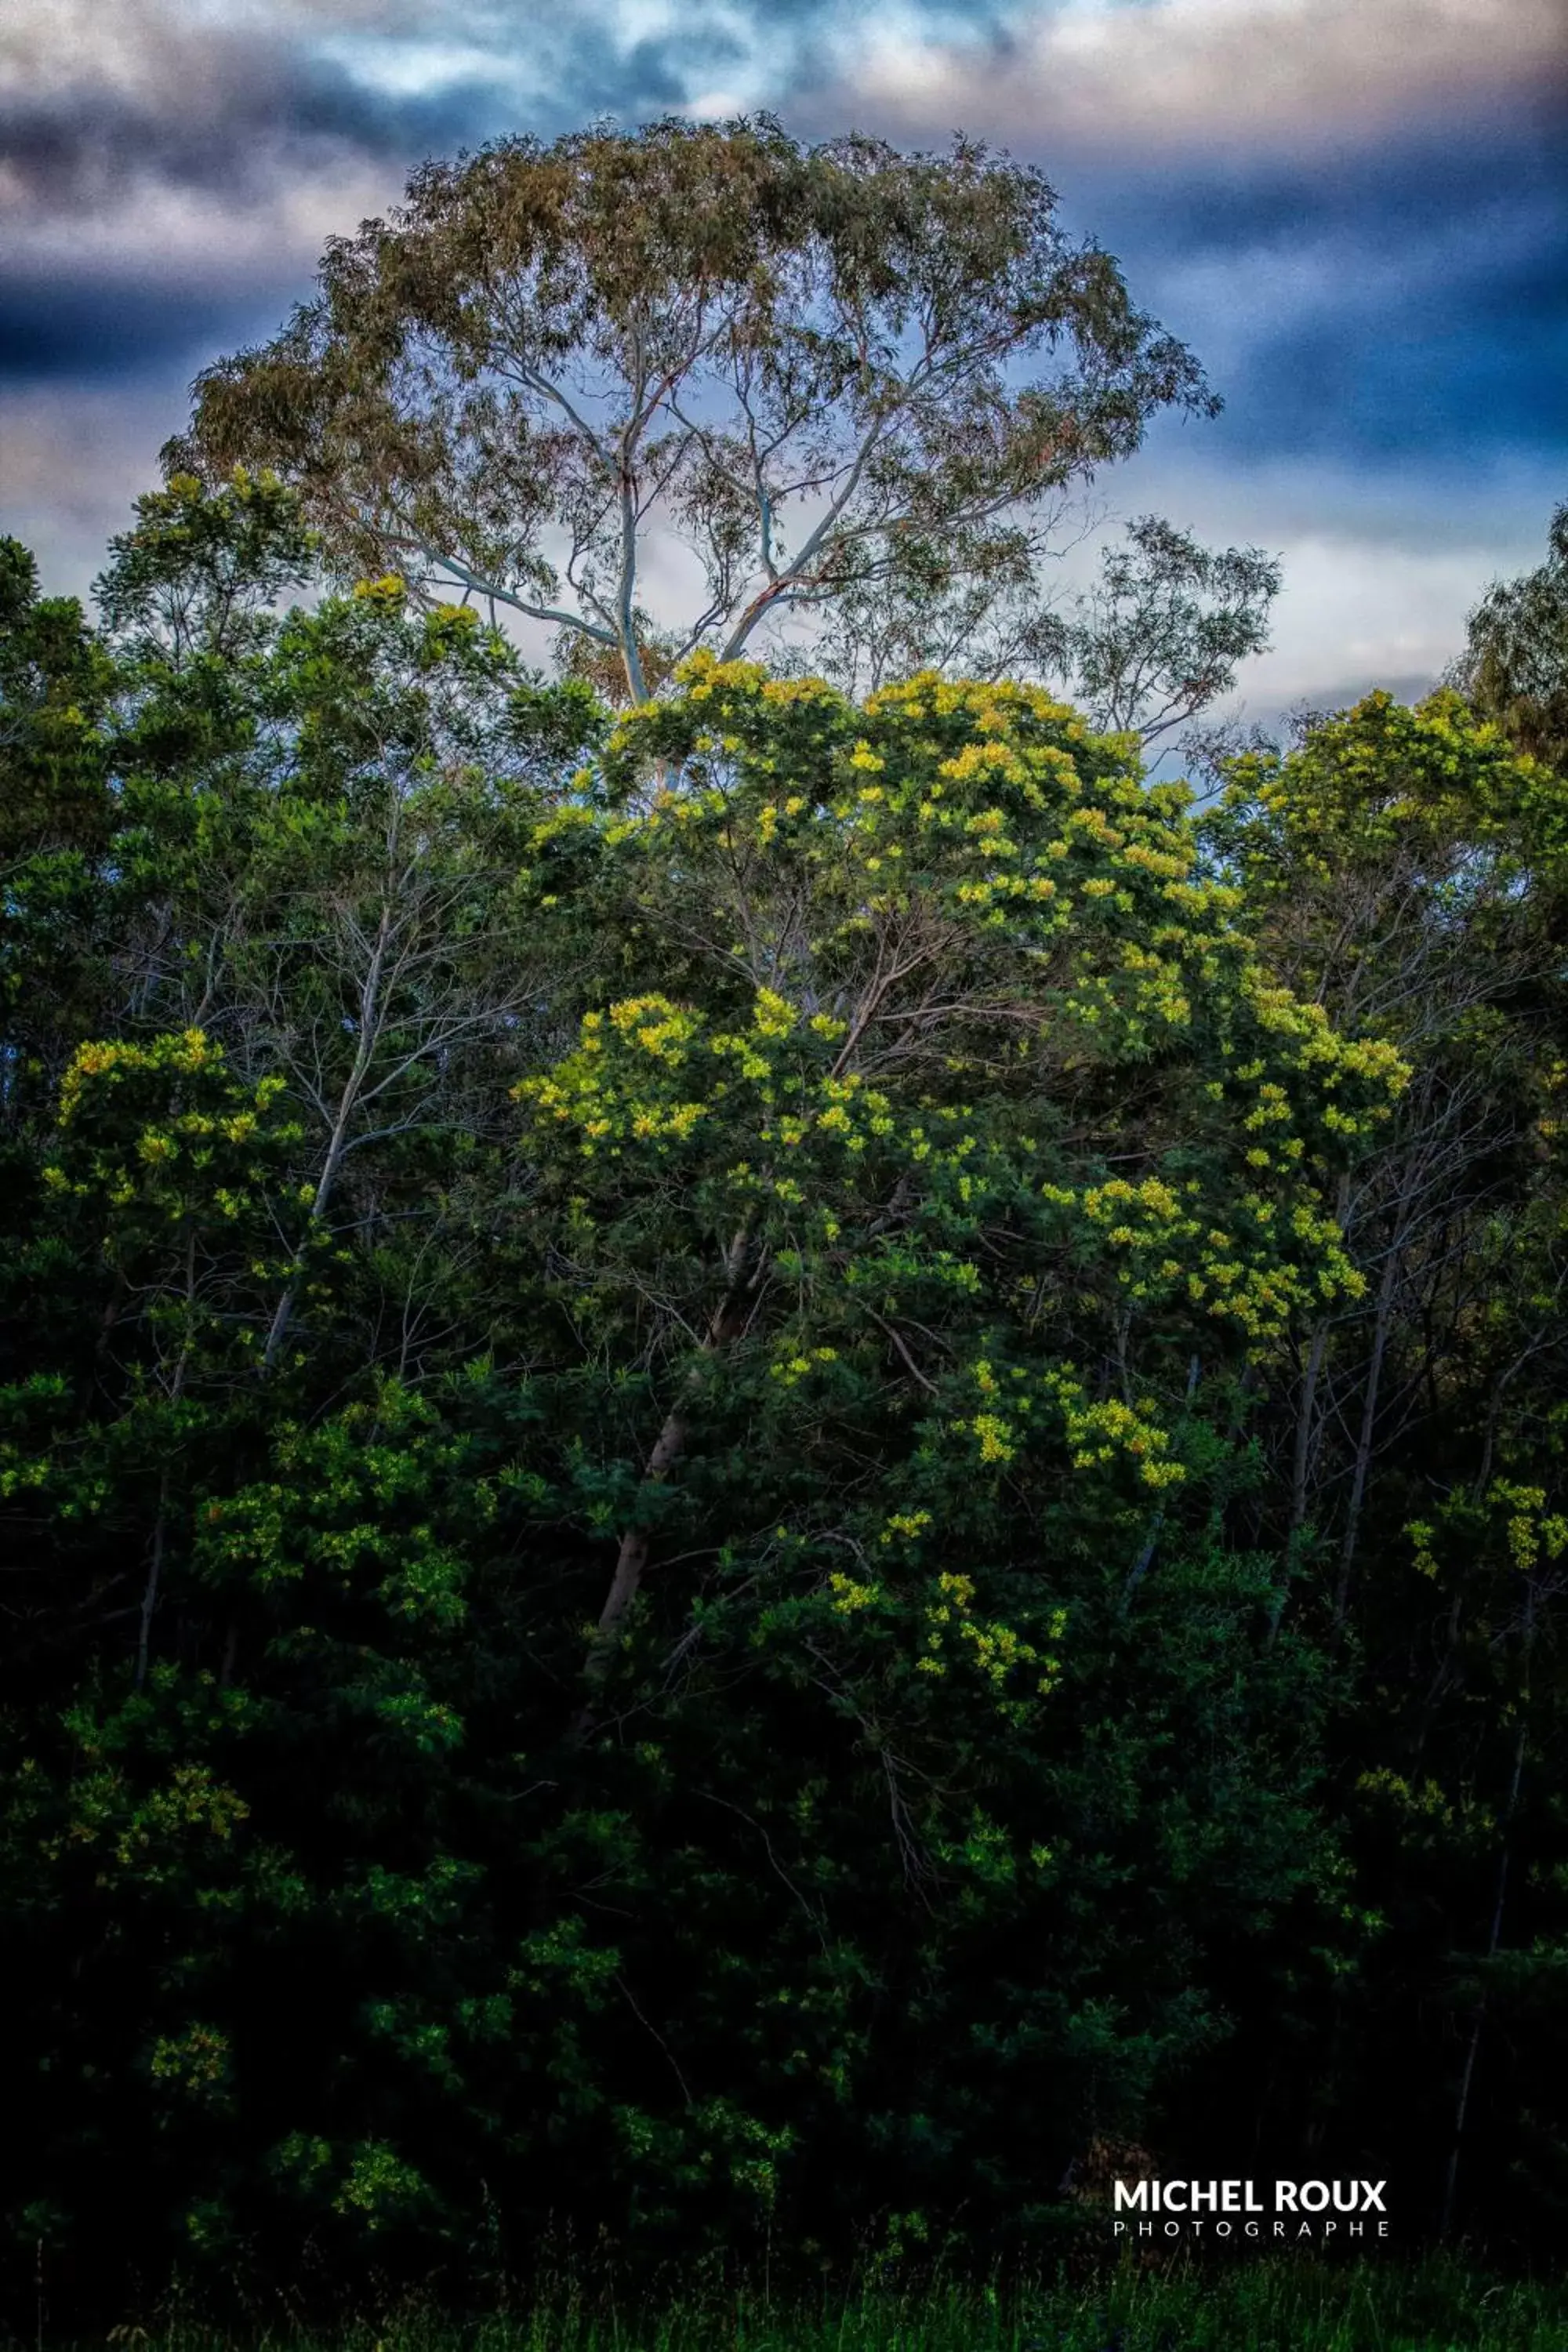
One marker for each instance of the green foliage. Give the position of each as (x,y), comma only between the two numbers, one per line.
(760,1469)
(1515,664)
(1405,868)
(1159,634)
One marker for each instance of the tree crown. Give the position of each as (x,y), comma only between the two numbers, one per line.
(782,366)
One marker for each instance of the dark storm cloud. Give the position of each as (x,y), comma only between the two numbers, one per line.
(242,120)
(229,134)
(55,332)
(256,123)
(1357,214)
(267,114)
(1460,388)
(1395,190)
(1416,293)
(232,111)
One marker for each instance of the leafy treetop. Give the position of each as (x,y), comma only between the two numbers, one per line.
(801,364)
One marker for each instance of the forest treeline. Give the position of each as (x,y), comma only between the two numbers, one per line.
(772,1461)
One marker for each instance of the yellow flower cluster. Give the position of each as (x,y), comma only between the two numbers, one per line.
(160,1159)
(790,1370)
(182,1055)
(996,1650)
(1531,1533)
(1096,1434)
(848,1597)
(1166,1248)
(589,1090)
(1053,869)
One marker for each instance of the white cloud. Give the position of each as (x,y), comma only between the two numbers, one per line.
(1231,74)
(1351,616)
(53,46)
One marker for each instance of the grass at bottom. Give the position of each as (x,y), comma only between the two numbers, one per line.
(1243,2306)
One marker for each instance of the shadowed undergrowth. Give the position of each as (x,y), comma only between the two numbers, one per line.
(1247,2306)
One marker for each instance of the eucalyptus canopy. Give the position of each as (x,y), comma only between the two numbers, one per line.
(1515,666)
(805,372)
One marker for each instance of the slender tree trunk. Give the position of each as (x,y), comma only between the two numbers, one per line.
(1306,1417)
(626,598)
(1478,2027)
(154,1578)
(1364,1436)
(1305,1414)
(149,1591)
(109,1317)
(1301,1464)
(730,1320)
(631,1559)
(283,1315)
(369,1026)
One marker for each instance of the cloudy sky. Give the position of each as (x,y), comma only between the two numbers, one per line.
(1355,211)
